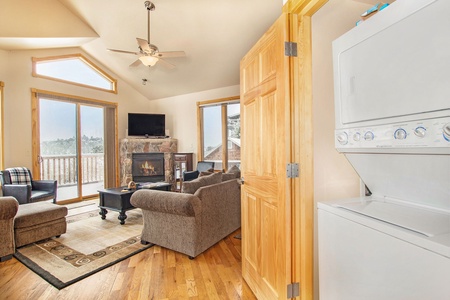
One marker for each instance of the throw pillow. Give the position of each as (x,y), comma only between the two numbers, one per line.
(234,170)
(190,187)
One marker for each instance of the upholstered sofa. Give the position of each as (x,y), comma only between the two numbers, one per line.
(8,210)
(206,211)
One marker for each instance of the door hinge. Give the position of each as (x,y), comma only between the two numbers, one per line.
(292,170)
(290,49)
(293,290)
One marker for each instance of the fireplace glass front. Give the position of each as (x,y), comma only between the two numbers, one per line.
(147,167)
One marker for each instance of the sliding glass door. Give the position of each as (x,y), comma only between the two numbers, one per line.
(71,147)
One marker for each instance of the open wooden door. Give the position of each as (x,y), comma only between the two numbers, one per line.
(265,154)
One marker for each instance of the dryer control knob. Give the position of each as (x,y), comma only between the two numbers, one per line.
(400,134)
(356,136)
(369,136)
(446,131)
(342,138)
(420,131)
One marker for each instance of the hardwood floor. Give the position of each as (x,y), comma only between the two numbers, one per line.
(156,273)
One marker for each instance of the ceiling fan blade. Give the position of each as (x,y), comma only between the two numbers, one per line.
(171,54)
(136,63)
(144,45)
(166,64)
(123,51)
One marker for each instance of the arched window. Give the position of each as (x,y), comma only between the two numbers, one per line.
(74,69)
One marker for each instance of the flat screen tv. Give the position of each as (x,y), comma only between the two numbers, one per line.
(148,125)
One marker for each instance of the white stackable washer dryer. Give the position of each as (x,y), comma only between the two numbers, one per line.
(392,96)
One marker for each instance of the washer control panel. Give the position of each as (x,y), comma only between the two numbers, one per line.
(430,133)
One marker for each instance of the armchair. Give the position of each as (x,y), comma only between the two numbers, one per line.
(202,166)
(18,183)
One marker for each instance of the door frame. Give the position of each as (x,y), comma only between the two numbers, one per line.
(302,144)
(78,101)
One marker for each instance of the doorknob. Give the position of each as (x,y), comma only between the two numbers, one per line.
(241,181)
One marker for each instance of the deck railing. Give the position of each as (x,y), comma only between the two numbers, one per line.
(64,168)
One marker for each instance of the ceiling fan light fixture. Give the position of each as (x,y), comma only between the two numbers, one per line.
(148,60)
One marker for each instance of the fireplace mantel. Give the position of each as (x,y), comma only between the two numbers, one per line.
(130,145)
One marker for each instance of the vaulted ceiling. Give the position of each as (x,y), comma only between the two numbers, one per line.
(214,34)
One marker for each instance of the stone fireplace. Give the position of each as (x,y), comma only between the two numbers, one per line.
(128,147)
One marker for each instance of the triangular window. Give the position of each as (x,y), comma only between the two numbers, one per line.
(75,69)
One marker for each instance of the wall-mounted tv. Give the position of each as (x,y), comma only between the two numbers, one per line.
(149,125)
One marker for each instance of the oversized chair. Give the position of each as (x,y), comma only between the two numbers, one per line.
(18,183)
(202,166)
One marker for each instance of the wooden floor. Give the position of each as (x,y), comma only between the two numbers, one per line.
(156,273)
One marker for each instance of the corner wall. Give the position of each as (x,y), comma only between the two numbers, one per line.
(16,73)
(181,114)
(334,177)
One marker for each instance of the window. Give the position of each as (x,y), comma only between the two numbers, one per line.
(219,123)
(74,142)
(74,69)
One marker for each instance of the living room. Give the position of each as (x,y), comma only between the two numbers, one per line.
(334,177)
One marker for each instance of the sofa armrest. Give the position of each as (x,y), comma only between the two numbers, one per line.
(45,185)
(8,207)
(166,202)
(22,192)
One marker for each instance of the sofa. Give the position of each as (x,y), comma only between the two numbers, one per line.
(8,210)
(206,211)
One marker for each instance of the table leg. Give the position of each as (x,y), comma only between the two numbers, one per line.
(122,216)
(103,213)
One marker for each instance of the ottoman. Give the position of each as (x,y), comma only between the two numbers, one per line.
(38,221)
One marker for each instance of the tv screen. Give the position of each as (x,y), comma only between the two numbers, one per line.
(146,124)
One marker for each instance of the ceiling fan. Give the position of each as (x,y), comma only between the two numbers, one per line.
(148,53)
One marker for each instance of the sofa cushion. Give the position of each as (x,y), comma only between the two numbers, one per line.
(234,170)
(190,187)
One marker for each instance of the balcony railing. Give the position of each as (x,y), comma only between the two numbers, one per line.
(64,168)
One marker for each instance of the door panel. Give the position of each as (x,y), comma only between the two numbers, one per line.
(265,128)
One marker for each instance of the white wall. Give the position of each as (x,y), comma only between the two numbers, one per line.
(16,73)
(334,177)
(181,114)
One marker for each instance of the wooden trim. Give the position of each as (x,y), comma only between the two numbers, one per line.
(302,148)
(86,61)
(199,133)
(303,7)
(36,139)
(82,99)
(217,101)
(2,129)
(224,138)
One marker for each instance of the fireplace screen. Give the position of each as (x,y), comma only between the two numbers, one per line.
(147,167)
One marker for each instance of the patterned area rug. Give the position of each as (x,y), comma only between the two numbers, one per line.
(89,245)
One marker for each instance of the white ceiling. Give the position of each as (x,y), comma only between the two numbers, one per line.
(215,35)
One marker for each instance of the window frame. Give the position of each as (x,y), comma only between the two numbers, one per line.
(79,56)
(223,102)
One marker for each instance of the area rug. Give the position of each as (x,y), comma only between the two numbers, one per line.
(89,245)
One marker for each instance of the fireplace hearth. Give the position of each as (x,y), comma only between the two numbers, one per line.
(148,167)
